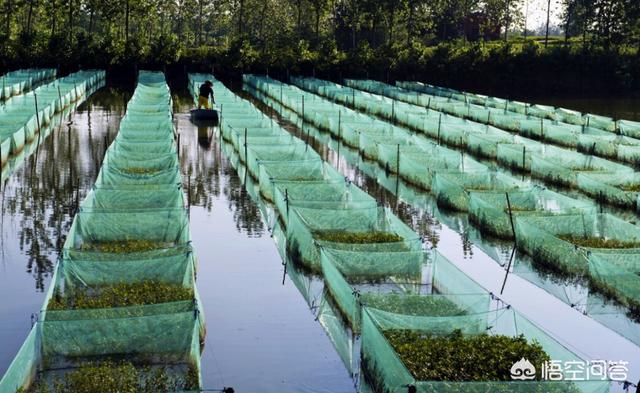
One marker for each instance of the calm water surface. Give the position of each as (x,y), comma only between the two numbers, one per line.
(269,330)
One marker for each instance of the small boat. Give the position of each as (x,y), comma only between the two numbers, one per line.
(204,114)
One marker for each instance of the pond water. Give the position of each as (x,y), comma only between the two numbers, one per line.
(269,328)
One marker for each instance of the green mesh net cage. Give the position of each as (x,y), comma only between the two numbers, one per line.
(452,189)
(363,229)
(496,212)
(130,238)
(389,370)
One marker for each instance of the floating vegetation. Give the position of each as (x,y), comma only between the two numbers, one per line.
(598,242)
(455,357)
(630,187)
(357,237)
(124,246)
(120,377)
(581,168)
(519,208)
(139,170)
(120,295)
(433,306)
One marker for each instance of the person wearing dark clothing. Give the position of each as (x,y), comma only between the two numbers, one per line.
(206,91)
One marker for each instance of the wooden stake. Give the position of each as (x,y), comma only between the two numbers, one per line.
(513,228)
(246,144)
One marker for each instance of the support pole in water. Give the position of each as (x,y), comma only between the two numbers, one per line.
(246,144)
(188,195)
(393,111)
(178,147)
(542,130)
(397,170)
(439,125)
(60,99)
(353,97)
(35,98)
(504,282)
(513,228)
(524,160)
(77,195)
(600,200)
(286,199)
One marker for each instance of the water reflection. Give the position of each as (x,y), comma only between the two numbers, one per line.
(44,183)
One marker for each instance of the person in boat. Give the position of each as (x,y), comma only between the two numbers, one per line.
(206,91)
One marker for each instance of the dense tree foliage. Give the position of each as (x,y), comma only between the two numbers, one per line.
(376,36)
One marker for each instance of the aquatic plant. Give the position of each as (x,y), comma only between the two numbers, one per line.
(412,305)
(357,237)
(124,246)
(455,357)
(118,377)
(119,295)
(598,242)
(139,170)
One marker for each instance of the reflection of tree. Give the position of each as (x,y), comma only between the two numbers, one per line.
(41,194)
(245,212)
(206,173)
(467,244)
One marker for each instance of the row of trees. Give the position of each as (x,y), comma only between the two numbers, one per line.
(327,34)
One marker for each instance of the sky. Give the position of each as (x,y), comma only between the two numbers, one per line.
(536,12)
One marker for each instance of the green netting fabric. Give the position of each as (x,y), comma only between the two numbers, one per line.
(621,190)
(541,236)
(567,117)
(304,224)
(338,193)
(388,373)
(447,122)
(600,247)
(170,197)
(452,189)
(20,122)
(131,229)
(16,82)
(490,210)
(349,274)
(81,269)
(295,171)
(562,167)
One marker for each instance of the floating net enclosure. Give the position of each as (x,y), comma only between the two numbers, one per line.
(405,280)
(123,296)
(389,337)
(363,229)
(601,248)
(495,214)
(452,189)
(620,189)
